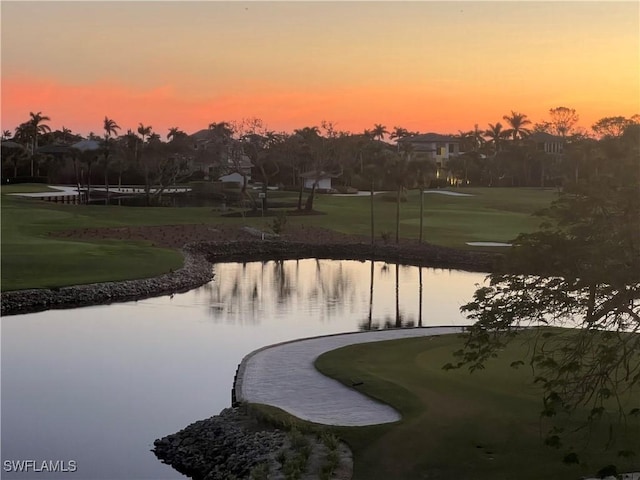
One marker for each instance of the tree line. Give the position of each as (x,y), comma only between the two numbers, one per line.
(378,158)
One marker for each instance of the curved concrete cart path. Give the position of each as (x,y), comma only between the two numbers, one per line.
(284,376)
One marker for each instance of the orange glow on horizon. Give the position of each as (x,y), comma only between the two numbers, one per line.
(82,107)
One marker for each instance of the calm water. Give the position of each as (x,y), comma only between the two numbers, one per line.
(97,385)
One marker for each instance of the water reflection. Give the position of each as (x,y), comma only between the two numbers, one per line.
(99,384)
(249,293)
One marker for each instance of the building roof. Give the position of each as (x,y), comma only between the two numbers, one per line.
(203,135)
(544,137)
(84,145)
(429,138)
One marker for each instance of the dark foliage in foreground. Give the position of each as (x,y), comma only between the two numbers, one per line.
(585,264)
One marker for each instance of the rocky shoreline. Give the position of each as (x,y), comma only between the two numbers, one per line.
(201,255)
(195,272)
(219,447)
(232,445)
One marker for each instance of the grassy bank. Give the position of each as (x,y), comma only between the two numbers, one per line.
(31,258)
(484,425)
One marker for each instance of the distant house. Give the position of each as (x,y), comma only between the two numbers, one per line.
(435,147)
(322,178)
(219,161)
(547,143)
(237,170)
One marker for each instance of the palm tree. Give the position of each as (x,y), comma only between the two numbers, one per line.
(496,136)
(399,133)
(65,132)
(372,173)
(223,131)
(379,131)
(371,296)
(421,170)
(517,122)
(398,316)
(37,127)
(471,143)
(144,131)
(127,152)
(398,169)
(6,134)
(419,296)
(175,133)
(110,128)
(477,138)
(465,140)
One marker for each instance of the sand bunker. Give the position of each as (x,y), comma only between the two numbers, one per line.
(488,244)
(447,192)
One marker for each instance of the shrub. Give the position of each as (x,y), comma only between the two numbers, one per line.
(333,459)
(281,457)
(330,441)
(360,182)
(260,472)
(297,439)
(279,223)
(294,467)
(326,472)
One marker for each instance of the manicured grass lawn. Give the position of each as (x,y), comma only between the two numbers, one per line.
(492,214)
(26,188)
(31,258)
(458,425)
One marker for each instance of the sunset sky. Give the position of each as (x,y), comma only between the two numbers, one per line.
(425,66)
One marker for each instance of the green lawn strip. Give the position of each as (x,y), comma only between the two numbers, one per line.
(456,424)
(490,215)
(28,223)
(49,263)
(33,259)
(26,188)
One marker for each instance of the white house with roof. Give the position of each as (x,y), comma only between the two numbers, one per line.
(322,179)
(218,160)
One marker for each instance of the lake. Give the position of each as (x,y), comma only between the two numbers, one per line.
(97,385)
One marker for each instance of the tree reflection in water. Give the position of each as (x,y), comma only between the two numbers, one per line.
(250,292)
(401,320)
(325,291)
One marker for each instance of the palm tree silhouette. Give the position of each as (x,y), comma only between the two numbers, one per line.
(496,136)
(398,168)
(379,131)
(175,133)
(517,122)
(37,127)
(144,131)
(421,170)
(110,128)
